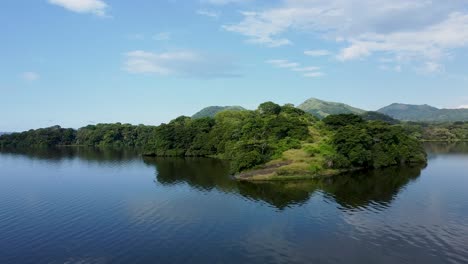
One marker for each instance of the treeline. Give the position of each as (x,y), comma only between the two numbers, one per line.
(453,131)
(43,137)
(373,144)
(246,138)
(100,135)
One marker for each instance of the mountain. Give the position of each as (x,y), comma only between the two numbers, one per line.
(376,116)
(321,109)
(424,113)
(211,111)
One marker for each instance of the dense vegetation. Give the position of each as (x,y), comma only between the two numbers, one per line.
(285,139)
(43,137)
(322,109)
(376,116)
(424,113)
(115,135)
(211,111)
(248,138)
(456,131)
(371,144)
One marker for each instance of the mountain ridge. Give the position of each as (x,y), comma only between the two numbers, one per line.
(424,113)
(322,108)
(390,113)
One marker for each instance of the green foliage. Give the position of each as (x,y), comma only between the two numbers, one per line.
(376,116)
(211,111)
(51,136)
(374,145)
(248,138)
(457,131)
(322,109)
(269,108)
(252,138)
(116,135)
(336,121)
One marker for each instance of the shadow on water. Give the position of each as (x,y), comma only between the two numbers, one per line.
(91,154)
(359,189)
(433,148)
(353,190)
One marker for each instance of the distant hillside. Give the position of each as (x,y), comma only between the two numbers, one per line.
(322,109)
(425,113)
(376,116)
(211,111)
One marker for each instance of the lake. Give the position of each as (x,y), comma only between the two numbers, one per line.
(86,205)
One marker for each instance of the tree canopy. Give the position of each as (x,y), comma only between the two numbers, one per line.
(249,138)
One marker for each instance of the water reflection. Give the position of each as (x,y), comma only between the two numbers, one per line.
(355,190)
(359,189)
(446,148)
(97,155)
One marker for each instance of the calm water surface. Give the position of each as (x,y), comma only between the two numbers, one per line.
(81,205)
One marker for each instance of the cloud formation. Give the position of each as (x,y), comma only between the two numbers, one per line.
(418,30)
(317,53)
(96,7)
(308,71)
(180,63)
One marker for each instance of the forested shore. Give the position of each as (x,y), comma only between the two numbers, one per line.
(284,138)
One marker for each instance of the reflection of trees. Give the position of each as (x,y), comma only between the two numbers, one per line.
(279,194)
(207,174)
(201,173)
(99,155)
(446,147)
(376,186)
(349,190)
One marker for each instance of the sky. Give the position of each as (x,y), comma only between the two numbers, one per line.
(78,62)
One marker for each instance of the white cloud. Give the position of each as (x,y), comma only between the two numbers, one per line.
(283,63)
(431,42)
(431,67)
(317,53)
(180,63)
(418,30)
(313,74)
(308,71)
(30,76)
(162,36)
(96,7)
(463,107)
(260,30)
(208,13)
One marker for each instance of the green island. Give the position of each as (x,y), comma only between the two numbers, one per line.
(272,142)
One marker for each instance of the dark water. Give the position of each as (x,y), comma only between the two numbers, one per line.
(81,205)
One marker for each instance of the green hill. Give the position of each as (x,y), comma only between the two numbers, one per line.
(211,111)
(322,109)
(376,116)
(424,113)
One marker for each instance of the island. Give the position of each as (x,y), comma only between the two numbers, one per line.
(272,142)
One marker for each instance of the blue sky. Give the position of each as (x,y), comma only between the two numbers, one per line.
(76,62)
